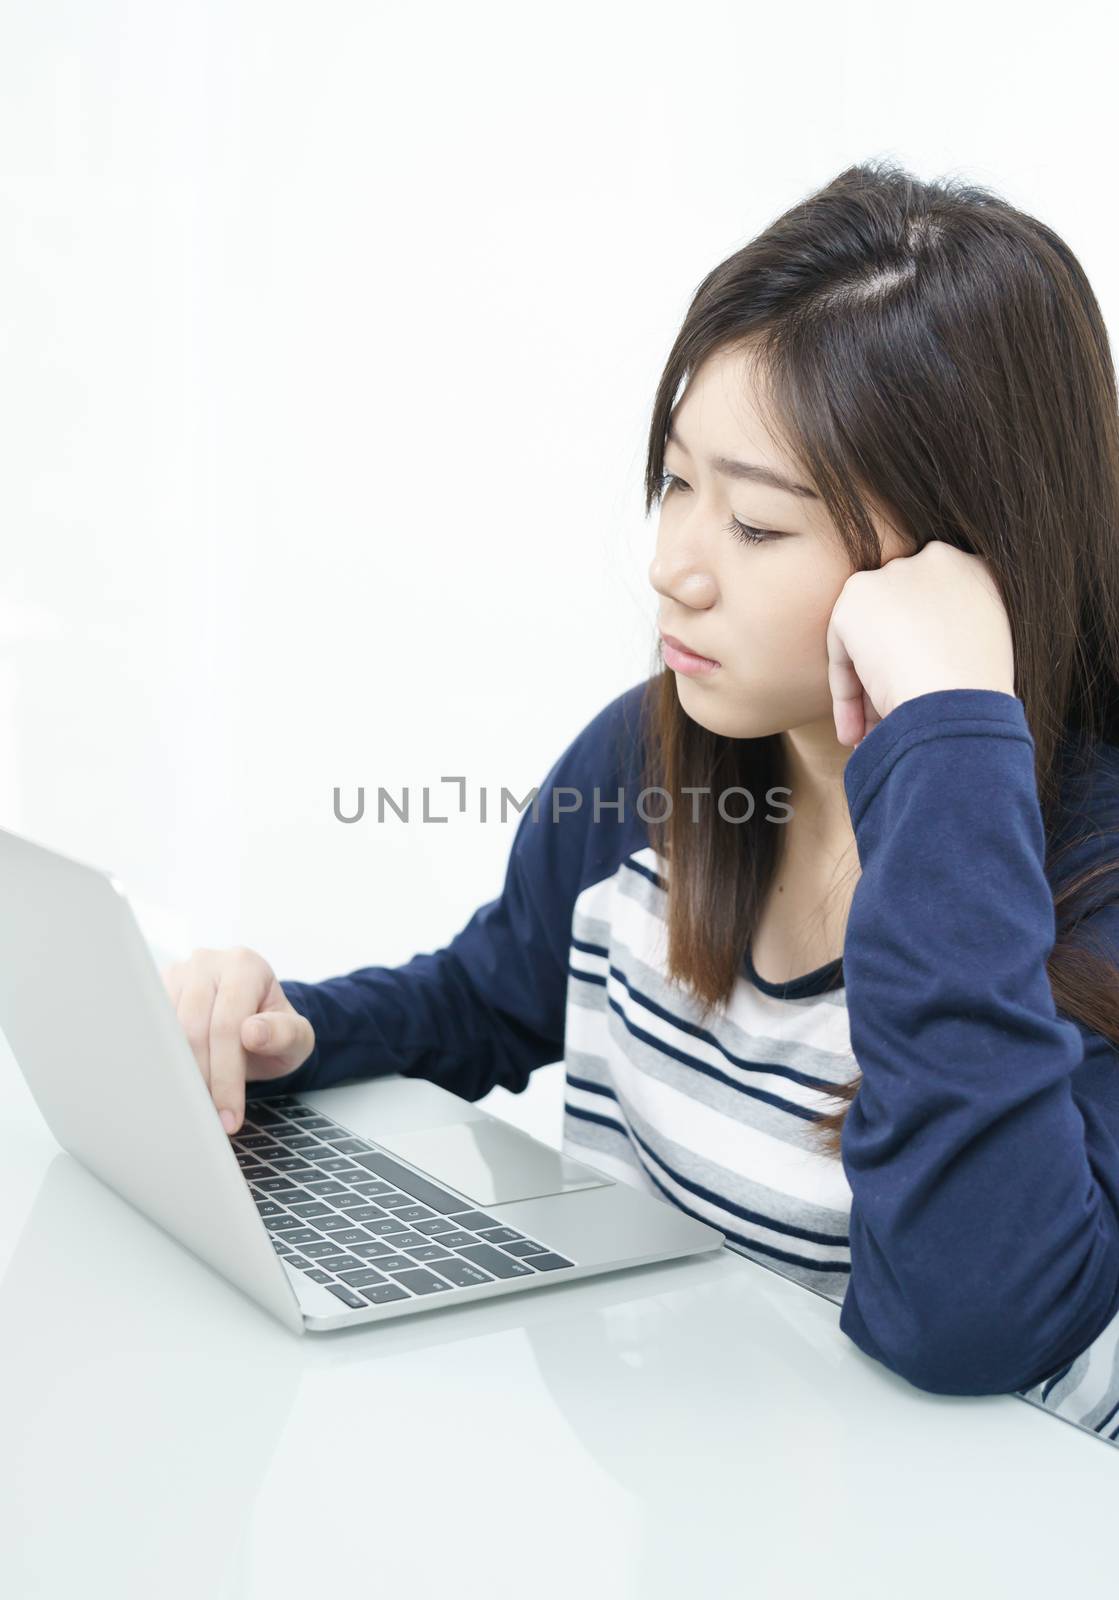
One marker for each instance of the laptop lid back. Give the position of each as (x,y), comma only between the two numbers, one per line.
(92,1027)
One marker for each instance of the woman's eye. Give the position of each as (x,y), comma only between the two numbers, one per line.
(740,530)
(749,535)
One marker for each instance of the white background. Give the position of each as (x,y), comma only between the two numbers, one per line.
(329,337)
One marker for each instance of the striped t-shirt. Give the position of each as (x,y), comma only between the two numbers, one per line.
(970,1231)
(717,1120)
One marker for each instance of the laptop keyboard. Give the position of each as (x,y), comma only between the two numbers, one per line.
(360,1222)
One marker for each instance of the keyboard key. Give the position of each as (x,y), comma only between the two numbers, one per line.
(280,1249)
(525,1247)
(317,1248)
(457,1239)
(371,1247)
(333,1164)
(277,1186)
(295,1165)
(381,1292)
(362,1212)
(250,1141)
(438,1225)
(313,1152)
(421,1189)
(394,1263)
(496,1261)
(429,1252)
(395,1201)
(269,1208)
(300,1141)
(413,1213)
(550,1261)
(404,1241)
(473,1219)
(345,1294)
(338,1263)
(349,1236)
(363,1276)
(325,1186)
(298,1261)
(352,1204)
(319,1277)
(421,1281)
(461,1273)
(298,1112)
(498,1235)
(313,1208)
(371,1186)
(348,1146)
(284,1224)
(385,1225)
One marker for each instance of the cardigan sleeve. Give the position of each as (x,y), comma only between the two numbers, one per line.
(982,1147)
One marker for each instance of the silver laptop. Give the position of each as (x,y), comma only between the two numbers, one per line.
(371,1200)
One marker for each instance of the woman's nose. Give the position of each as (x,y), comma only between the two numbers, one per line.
(683,579)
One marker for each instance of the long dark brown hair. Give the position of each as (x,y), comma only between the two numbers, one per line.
(935,354)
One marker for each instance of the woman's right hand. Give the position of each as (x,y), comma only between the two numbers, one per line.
(239,1023)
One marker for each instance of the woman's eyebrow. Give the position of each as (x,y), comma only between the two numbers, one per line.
(746,469)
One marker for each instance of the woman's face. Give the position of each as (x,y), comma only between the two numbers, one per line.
(759,606)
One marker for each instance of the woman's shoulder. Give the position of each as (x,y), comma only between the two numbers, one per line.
(609,746)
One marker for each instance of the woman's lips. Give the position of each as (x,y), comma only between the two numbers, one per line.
(679,658)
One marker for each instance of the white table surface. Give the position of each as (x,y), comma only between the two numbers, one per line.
(700,1428)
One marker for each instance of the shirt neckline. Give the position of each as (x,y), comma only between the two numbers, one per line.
(819,981)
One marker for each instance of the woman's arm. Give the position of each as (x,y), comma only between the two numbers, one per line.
(982,1148)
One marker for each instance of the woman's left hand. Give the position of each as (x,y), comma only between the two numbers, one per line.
(934,620)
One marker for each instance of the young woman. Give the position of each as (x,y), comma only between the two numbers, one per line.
(822,917)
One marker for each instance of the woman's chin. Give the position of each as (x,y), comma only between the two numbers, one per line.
(719,713)
(741,713)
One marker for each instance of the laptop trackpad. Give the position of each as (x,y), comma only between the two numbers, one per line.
(492,1161)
